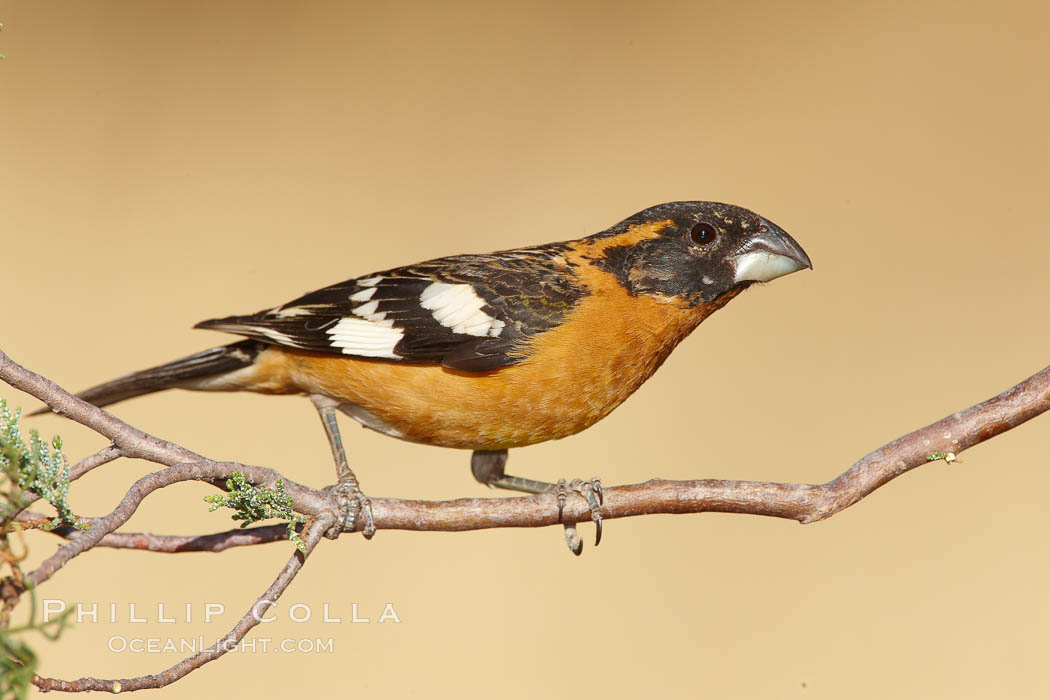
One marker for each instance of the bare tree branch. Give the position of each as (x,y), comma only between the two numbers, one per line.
(104,456)
(169,544)
(803,502)
(132,442)
(100,527)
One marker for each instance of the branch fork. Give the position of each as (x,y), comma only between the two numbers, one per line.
(806,503)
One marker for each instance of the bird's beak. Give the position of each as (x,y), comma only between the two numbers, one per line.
(770,253)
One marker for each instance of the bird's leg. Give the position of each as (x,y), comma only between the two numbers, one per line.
(488,468)
(352,502)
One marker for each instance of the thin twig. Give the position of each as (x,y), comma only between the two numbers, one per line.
(104,456)
(194,471)
(168,544)
(135,443)
(131,441)
(227,642)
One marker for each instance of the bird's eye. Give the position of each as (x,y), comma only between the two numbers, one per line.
(703,234)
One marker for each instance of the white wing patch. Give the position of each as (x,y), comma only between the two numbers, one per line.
(369,333)
(364,337)
(457,306)
(366,333)
(364,295)
(368,311)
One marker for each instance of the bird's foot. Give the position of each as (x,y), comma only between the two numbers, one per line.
(591,491)
(488,467)
(353,504)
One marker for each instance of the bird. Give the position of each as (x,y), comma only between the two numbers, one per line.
(490,352)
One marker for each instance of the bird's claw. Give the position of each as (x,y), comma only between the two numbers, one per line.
(591,490)
(353,504)
(572,538)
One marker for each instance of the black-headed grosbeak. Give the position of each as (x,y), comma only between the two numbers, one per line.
(490,352)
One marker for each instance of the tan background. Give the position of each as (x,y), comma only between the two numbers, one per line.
(169,162)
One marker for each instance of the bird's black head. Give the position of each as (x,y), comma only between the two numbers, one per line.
(697,251)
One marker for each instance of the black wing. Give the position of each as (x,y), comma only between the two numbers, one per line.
(470,312)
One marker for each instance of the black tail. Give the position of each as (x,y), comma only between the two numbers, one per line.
(209,363)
